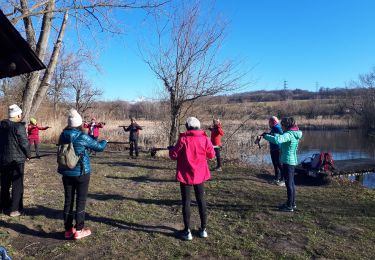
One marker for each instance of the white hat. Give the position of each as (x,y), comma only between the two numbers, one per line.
(14,111)
(193,122)
(74,119)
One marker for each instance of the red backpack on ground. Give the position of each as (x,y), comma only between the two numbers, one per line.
(326,162)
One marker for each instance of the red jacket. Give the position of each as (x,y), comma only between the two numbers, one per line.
(191,152)
(93,129)
(33,131)
(216,134)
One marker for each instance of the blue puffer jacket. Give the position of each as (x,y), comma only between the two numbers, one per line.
(276,129)
(81,143)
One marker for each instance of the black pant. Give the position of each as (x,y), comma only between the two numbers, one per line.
(186,200)
(36,146)
(218,157)
(133,146)
(75,186)
(12,176)
(275,157)
(288,173)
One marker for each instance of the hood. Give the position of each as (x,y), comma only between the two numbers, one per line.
(193,133)
(296,133)
(70,134)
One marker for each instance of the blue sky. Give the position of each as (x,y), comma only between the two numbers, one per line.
(301,41)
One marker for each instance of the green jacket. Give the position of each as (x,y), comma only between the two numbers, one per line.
(289,144)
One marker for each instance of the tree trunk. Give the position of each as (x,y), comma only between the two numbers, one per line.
(44,85)
(33,83)
(175,112)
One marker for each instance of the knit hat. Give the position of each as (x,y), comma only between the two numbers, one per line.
(273,120)
(193,122)
(74,119)
(14,111)
(33,121)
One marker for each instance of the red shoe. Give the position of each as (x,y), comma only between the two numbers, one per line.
(85,232)
(69,233)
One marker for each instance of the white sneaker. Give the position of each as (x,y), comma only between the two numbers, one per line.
(15,213)
(203,233)
(281,183)
(186,235)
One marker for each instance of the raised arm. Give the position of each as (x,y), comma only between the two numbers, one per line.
(277,138)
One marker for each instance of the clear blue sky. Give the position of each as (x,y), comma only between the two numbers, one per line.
(301,41)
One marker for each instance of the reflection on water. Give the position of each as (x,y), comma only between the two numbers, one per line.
(343,144)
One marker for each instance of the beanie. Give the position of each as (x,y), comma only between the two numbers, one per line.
(193,122)
(274,120)
(14,111)
(33,121)
(74,119)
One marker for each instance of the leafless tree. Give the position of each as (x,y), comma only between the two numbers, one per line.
(362,105)
(185,58)
(86,14)
(62,79)
(84,93)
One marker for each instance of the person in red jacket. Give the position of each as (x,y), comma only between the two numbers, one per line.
(93,128)
(33,135)
(191,151)
(216,134)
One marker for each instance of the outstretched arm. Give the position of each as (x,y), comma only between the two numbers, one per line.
(277,138)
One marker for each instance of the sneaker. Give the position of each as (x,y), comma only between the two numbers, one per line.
(294,206)
(203,233)
(286,208)
(186,235)
(218,169)
(85,232)
(15,213)
(69,233)
(280,183)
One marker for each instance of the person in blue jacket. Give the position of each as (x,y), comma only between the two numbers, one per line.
(275,126)
(76,180)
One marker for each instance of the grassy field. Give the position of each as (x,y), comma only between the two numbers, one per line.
(134,211)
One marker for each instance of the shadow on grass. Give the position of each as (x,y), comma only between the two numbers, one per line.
(167,202)
(57,214)
(130,164)
(22,229)
(143,179)
(299,179)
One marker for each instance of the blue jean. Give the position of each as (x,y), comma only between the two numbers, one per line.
(288,174)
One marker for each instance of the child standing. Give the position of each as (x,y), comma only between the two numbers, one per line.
(191,151)
(33,135)
(289,144)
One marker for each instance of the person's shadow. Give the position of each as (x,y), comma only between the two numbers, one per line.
(57,214)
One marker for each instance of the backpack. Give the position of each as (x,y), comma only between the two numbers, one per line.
(319,161)
(66,156)
(328,163)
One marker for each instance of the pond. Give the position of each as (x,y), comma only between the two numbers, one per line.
(343,144)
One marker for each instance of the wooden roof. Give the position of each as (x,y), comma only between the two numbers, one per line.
(16,56)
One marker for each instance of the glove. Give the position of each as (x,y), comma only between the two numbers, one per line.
(264,133)
(170,147)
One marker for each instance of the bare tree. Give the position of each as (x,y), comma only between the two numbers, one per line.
(185,59)
(86,14)
(362,105)
(84,93)
(62,78)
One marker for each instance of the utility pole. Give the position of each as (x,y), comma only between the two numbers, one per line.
(285,89)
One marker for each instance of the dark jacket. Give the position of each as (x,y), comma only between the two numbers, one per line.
(276,129)
(14,146)
(81,143)
(134,131)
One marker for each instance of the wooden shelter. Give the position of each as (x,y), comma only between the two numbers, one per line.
(16,55)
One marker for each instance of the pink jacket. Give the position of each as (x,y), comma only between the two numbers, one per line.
(192,150)
(93,129)
(33,131)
